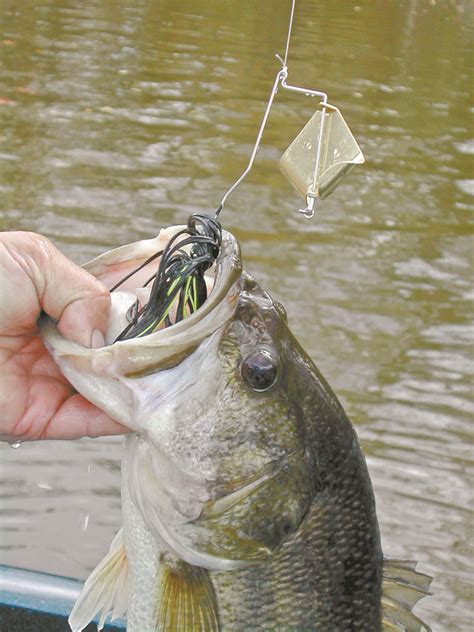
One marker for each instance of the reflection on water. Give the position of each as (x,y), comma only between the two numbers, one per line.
(119,118)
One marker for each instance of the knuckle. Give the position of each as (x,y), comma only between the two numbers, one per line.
(42,247)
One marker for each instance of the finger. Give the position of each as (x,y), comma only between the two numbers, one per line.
(77,300)
(78,418)
(43,278)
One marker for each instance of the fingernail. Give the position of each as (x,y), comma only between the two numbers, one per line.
(97,339)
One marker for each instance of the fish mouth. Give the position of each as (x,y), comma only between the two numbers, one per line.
(227,269)
(137,356)
(108,376)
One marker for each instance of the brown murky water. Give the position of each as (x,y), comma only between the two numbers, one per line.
(118,118)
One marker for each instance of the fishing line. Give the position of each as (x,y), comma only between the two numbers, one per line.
(140,267)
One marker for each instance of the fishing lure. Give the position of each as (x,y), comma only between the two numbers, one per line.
(315,162)
(179,280)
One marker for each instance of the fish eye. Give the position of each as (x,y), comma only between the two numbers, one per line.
(260,370)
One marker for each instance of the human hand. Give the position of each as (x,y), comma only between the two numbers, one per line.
(36,400)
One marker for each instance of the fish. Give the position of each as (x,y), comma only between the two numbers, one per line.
(246,499)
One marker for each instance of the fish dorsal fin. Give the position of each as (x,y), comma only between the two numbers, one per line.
(186,599)
(105,590)
(402,588)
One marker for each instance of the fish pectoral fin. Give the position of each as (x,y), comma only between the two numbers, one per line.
(186,599)
(105,590)
(402,588)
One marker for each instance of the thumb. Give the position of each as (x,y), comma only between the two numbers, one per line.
(73,297)
(77,300)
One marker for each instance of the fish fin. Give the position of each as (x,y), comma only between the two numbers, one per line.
(391,626)
(402,588)
(105,590)
(186,599)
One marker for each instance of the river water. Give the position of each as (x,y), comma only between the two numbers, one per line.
(119,118)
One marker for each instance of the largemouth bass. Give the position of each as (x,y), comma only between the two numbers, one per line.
(246,500)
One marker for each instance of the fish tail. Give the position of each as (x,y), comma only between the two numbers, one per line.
(105,590)
(402,588)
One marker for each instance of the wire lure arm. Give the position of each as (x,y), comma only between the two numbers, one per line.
(280,79)
(313,172)
(281,74)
